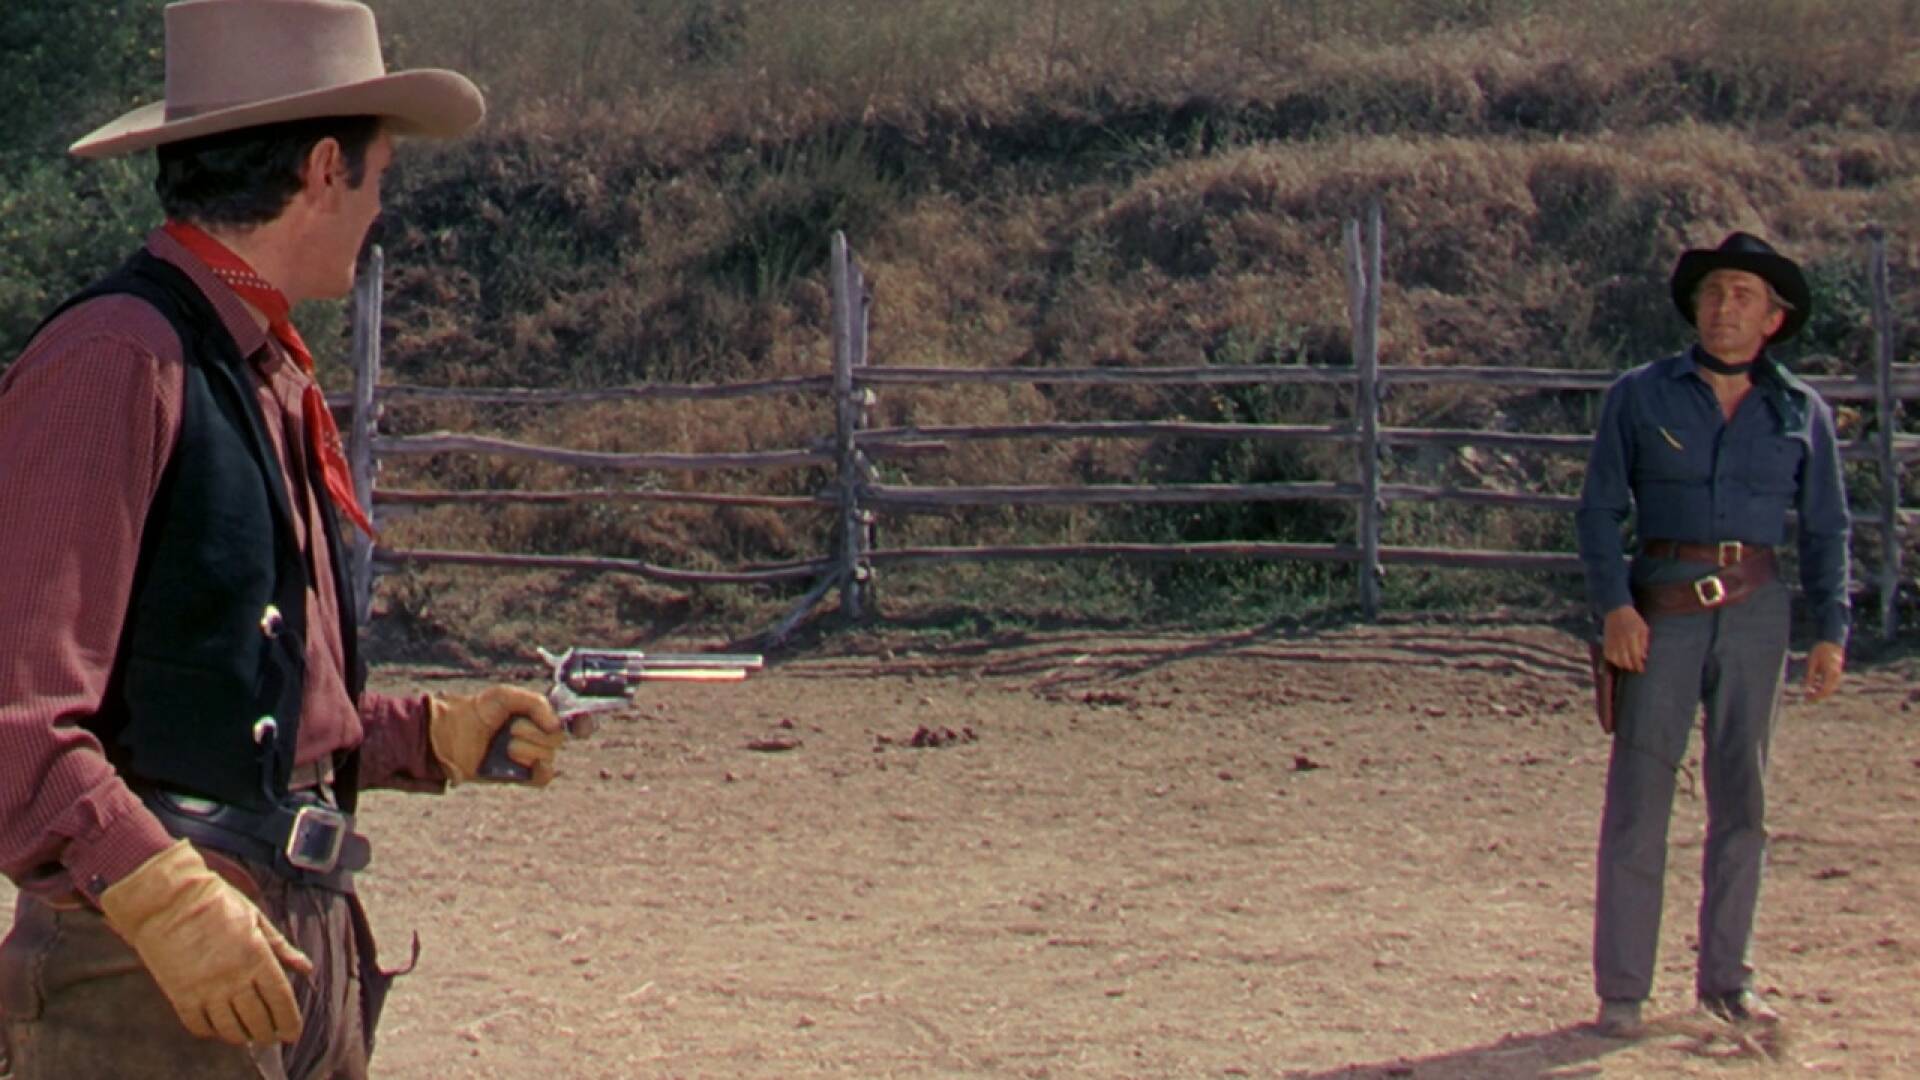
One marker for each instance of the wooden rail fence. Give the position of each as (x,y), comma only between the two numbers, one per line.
(857,498)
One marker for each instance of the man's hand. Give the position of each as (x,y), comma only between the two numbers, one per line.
(1825,666)
(1625,638)
(216,956)
(461,729)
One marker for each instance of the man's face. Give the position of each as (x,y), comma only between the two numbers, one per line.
(341,228)
(1734,315)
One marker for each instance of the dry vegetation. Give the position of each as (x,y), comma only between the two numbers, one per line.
(1086,182)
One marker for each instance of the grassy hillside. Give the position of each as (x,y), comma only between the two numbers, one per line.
(1095,182)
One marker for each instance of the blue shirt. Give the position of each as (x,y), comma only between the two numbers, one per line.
(1666,454)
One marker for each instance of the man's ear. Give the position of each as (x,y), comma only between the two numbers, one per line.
(323,175)
(1775,319)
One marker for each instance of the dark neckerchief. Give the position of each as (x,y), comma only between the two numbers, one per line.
(1712,363)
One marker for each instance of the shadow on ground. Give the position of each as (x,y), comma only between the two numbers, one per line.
(1573,1051)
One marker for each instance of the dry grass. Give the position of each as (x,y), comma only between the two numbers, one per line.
(1072,182)
(1079,183)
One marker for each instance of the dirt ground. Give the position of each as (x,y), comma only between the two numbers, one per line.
(1361,852)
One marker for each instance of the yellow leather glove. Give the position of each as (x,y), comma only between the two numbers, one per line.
(461,728)
(215,955)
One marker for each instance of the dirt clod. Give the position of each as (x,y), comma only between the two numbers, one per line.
(927,738)
(772,745)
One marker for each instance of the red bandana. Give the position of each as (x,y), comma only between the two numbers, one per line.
(323,436)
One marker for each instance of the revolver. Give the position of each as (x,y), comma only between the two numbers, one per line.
(587,682)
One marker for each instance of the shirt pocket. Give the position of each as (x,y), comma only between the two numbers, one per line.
(1663,454)
(1771,464)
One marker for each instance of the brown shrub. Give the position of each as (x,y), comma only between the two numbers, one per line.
(1080,183)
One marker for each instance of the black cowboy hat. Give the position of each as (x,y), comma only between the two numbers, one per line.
(1744,251)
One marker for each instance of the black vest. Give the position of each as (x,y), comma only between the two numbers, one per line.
(205,694)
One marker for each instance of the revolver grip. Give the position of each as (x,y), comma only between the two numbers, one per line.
(497,765)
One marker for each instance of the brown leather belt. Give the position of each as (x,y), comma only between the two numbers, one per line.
(1725,587)
(1725,553)
(301,839)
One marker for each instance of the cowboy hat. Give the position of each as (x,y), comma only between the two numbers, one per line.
(1744,251)
(235,64)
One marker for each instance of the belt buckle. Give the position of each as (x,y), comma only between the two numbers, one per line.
(314,842)
(1737,549)
(1710,591)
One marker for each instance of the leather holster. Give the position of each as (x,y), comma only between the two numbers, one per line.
(1606,681)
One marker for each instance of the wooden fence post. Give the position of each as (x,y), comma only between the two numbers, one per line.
(367,289)
(846,412)
(864,400)
(1363,288)
(1884,401)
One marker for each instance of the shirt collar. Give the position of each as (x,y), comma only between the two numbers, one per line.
(1783,391)
(1681,365)
(234,313)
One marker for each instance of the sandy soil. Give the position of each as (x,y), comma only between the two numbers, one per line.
(1357,853)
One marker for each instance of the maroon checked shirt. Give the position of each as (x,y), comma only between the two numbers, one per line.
(88,416)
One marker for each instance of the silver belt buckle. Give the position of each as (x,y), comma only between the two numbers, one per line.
(318,834)
(1710,590)
(1731,551)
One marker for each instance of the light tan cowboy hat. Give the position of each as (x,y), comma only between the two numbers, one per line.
(235,64)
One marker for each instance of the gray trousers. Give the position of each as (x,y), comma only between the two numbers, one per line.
(1732,661)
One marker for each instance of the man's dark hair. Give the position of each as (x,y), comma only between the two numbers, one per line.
(247,177)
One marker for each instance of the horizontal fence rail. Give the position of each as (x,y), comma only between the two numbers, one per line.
(420,445)
(511,395)
(1101,429)
(1234,549)
(410,498)
(938,499)
(795,571)
(1905,382)
(853,497)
